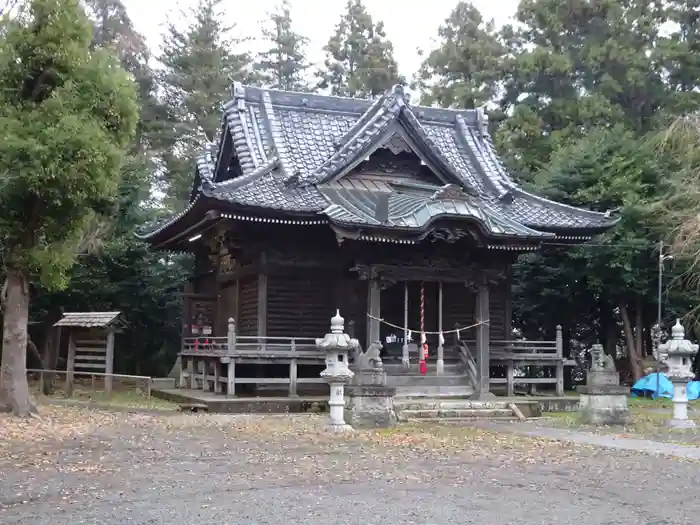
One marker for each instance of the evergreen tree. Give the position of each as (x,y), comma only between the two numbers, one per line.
(67,117)
(122,274)
(284,63)
(359,58)
(464,70)
(114,30)
(578,66)
(199,64)
(587,86)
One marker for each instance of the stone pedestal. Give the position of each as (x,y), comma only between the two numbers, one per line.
(680,405)
(602,400)
(603,405)
(369,402)
(336,404)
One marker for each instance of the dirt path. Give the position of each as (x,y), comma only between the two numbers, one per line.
(79,466)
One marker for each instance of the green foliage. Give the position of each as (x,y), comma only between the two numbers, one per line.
(606,170)
(578,66)
(121,273)
(283,64)
(199,64)
(67,113)
(464,70)
(359,58)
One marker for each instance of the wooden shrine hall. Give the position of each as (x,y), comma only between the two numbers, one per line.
(403,217)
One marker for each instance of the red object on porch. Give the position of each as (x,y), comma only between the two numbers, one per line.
(422,365)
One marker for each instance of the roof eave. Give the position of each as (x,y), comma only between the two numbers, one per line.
(429,225)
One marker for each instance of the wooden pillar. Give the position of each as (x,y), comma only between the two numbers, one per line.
(262,307)
(237,300)
(70,364)
(186,316)
(206,366)
(230,359)
(183,372)
(109,364)
(262,300)
(405,361)
(440,368)
(560,361)
(217,376)
(191,370)
(510,379)
(293,371)
(482,336)
(374,309)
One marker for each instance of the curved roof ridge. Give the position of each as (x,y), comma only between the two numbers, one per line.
(237,182)
(237,120)
(582,212)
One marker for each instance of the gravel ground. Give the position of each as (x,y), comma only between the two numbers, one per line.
(80,466)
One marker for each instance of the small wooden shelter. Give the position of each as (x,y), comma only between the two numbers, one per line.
(90,344)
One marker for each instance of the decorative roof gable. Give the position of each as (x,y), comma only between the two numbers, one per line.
(293,151)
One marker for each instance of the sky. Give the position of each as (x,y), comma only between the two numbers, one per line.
(408,28)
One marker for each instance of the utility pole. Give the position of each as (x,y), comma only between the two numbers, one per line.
(659,299)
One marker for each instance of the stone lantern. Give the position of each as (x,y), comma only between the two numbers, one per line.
(677,353)
(336,345)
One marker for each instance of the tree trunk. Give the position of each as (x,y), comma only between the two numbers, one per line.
(51,347)
(639,331)
(14,389)
(635,363)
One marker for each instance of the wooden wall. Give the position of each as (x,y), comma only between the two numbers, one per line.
(300,304)
(499,311)
(227,307)
(248,306)
(459,304)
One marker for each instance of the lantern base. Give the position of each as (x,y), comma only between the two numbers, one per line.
(338,429)
(681,423)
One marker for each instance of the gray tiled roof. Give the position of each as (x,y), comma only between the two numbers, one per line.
(294,148)
(88,319)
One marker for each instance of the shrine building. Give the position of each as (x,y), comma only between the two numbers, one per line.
(402,217)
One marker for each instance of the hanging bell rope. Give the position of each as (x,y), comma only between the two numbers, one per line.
(423,338)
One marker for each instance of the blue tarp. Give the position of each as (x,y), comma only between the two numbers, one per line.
(646,387)
(693,390)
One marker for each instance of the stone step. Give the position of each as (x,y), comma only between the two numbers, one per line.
(449,404)
(432,391)
(397,369)
(432,356)
(419,381)
(457,420)
(463,413)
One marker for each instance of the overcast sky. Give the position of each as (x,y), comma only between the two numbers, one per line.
(410,24)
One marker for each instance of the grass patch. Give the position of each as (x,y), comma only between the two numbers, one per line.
(120,398)
(643,424)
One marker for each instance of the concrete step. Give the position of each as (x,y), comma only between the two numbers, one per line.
(456,421)
(419,381)
(397,369)
(433,414)
(431,403)
(432,391)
